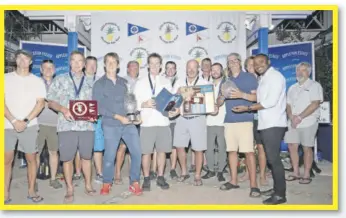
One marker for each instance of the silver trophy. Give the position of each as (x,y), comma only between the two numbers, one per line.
(227,87)
(131,107)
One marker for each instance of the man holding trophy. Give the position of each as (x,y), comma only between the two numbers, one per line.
(190,127)
(70,95)
(155,130)
(110,91)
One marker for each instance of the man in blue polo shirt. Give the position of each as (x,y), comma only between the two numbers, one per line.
(239,126)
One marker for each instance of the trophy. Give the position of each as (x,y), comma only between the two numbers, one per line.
(83,109)
(227,87)
(131,107)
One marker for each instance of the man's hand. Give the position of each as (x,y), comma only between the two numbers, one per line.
(236,93)
(240,108)
(92,120)
(174,113)
(122,119)
(137,122)
(19,125)
(67,114)
(150,104)
(295,121)
(216,110)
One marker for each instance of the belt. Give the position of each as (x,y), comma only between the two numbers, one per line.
(189,118)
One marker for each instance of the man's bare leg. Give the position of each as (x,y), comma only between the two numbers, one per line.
(78,166)
(308,159)
(293,149)
(9,155)
(68,173)
(32,172)
(86,166)
(119,163)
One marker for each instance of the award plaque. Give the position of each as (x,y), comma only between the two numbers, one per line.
(198,100)
(83,109)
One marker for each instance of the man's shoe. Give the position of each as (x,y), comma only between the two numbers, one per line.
(268,192)
(146,184)
(220,177)
(152,175)
(106,188)
(136,189)
(208,175)
(161,182)
(274,200)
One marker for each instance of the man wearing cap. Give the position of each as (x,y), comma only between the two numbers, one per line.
(24,100)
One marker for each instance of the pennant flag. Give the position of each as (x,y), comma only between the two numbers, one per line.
(133,29)
(192,28)
(140,39)
(198,37)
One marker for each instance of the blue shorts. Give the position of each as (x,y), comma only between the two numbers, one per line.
(99,144)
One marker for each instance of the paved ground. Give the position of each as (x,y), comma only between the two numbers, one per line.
(318,192)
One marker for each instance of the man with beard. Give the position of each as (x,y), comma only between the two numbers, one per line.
(272,122)
(216,131)
(171,74)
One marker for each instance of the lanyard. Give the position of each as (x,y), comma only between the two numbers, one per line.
(175,79)
(208,78)
(77,90)
(46,83)
(194,82)
(94,77)
(151,85)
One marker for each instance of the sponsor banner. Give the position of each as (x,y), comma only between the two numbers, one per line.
(58,53)
(176,35)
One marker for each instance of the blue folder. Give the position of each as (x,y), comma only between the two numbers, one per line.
(166,101)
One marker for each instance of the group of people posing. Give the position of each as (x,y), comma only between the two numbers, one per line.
(255,113)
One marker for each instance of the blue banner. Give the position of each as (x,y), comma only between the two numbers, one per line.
(55,52)
(285,58)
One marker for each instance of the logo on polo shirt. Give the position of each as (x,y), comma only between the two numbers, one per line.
(198,53)
(169,32)
(110,33)
(227,32)
(140,55)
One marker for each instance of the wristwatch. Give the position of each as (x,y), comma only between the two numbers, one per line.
(26,120)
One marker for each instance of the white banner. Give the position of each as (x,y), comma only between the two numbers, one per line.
(176,35)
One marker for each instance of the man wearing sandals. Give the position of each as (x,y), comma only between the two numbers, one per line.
(47,121)
(272,123)
(191,127)
(155,131)
(109,91)
(73,134)
(24,100)
(239,125)
(303,110)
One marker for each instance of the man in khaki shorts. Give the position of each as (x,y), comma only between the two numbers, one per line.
(303,110)
(239,125)
(47,121)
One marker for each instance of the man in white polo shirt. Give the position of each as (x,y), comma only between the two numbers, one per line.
(272,122)
(191,127)
(24,100)
(303,110)
(155,131)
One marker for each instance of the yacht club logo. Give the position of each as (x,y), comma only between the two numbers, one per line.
(227,32)
(110,33)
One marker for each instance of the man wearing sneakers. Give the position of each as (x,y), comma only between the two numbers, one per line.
(47,121)
(155,131)
(216,130)
(109,92)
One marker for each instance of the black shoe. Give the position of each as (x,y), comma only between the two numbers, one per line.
(275,199)
(173,174)
(161,182)
(208,175)
(268,192)
(205,168)
(146,184)
(152,175)
(220,177)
